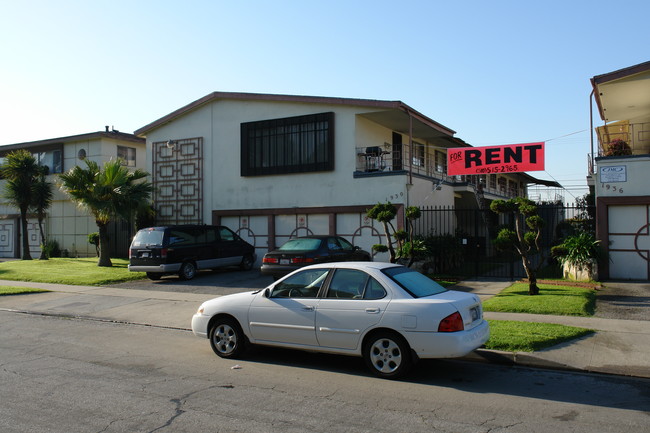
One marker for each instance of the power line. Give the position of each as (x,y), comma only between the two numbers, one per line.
(566,135)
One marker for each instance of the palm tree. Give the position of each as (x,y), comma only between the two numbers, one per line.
(20,169)
(107,193)
(41,200)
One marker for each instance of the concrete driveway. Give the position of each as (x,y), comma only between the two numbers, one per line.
(219,282)
(623,300)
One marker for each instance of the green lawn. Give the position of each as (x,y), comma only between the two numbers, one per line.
(12,290)
(84,272)
(511,336)
(552,299)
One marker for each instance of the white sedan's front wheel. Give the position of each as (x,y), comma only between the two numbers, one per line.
(227,339)
(387,355)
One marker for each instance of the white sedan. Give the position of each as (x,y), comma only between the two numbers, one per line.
(389,314)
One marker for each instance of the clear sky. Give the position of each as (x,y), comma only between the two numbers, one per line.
(497,72)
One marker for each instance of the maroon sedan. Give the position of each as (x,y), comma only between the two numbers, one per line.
(309,250)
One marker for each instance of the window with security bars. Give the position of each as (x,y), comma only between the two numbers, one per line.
(290,145)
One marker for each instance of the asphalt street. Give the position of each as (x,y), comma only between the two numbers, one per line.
(61,374)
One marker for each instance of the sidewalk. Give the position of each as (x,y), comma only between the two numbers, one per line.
(617,347)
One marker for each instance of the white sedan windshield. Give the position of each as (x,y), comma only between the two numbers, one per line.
(413,282)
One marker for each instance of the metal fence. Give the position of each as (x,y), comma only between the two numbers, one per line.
(460,240)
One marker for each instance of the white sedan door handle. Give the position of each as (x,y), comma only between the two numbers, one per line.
(372,310)
(308,308)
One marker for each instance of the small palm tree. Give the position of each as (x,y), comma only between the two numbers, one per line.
(107,193)
(42,195)
(20,170)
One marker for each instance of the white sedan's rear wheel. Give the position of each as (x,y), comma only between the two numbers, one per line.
(387,355)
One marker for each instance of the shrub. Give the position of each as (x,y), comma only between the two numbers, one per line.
(93,239)
(51,248)
(579,251)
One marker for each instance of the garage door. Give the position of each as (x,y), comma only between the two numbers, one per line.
(353,226)
(629,241)
(7,241)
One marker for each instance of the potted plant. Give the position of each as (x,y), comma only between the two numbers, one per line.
(579,256)
(618,147)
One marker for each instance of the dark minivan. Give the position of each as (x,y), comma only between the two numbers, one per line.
(184,249)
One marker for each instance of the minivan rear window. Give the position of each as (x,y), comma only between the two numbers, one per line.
(148,237)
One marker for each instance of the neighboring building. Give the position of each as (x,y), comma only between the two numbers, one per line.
(276,166)
(65,223)
(621,174)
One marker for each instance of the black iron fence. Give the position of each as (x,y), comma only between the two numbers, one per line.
(460,240)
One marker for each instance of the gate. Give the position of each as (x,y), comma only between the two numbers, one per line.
(460,240)
(120,233)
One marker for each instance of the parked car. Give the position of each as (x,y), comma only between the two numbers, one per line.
(309,250)
(184,249)
(388,314)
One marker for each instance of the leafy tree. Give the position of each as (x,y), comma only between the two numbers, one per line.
(21,172)
(525,239)
(404,246)
(108,193)
(384,213)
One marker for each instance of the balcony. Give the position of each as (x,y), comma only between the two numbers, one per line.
(636,135)
(388,159)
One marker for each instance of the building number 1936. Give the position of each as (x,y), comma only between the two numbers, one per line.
(612,188)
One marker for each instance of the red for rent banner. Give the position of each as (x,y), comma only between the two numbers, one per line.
(497,159)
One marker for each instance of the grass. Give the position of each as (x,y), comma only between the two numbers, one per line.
(12,290)
(84,272)
(511,336)
(553,299)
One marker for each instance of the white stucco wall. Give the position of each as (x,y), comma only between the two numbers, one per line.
(622,176)
(219,123)
(65,222)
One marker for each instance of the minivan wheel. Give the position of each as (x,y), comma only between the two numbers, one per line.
(246,263)
(154,275)
(188,271)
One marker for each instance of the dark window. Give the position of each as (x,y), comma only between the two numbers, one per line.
(127,155)
(290,145)
(493,181)
(305,284)
(347,284)
(226,235)
(397,151)
(52,159)
(374,290)
(418,155)
(441,162)
(413,282)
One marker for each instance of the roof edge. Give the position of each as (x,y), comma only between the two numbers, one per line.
(374,103)
(79,137)
(613,76)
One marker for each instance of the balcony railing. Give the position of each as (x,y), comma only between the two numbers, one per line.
(386,158)
(383,159)
(636,135)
